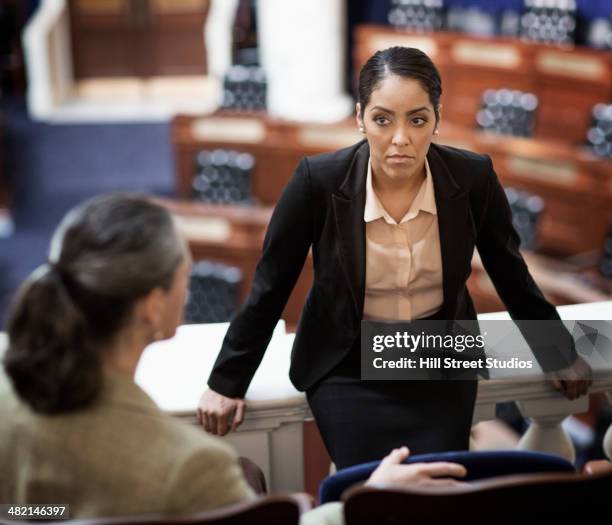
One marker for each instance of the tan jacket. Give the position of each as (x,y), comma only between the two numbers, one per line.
(120,456)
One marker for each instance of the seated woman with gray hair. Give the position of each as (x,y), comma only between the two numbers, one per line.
(76,428)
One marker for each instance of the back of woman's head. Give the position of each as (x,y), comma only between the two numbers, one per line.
(104,256)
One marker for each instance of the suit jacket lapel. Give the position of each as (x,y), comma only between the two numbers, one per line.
(348,204)
(453,224)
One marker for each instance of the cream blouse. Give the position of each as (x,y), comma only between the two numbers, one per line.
(403,261)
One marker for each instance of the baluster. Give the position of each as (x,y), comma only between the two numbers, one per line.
(545,432)
(607,440)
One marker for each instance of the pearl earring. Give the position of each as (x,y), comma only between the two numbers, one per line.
(158,335)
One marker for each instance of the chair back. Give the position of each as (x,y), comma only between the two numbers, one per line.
(479,465)
(527,209)
(524,498)
(223,177)
(213,293)
(549,22)
(507,112)
(244,88)
(599,135)
(279,509)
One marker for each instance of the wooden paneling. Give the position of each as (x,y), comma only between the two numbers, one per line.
(568,82)
(565,114)
(101,7)
(138,37)
(316,459)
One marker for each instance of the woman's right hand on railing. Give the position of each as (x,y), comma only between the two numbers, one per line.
(215,411)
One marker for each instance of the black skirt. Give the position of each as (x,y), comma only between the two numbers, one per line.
(363,421)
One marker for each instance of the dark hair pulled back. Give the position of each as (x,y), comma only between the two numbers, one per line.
(405,62)
(104,256)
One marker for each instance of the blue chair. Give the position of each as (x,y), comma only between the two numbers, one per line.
(479,465)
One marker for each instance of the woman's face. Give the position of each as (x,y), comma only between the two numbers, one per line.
(399,123)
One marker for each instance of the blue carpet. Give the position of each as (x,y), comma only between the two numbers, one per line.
(53,167)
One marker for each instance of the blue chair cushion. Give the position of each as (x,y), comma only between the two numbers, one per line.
(479,465)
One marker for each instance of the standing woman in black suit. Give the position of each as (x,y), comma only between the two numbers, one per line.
(393,222)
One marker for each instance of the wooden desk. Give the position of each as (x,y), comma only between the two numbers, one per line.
(276,145)
(576,186)
(568,81)
(234,235)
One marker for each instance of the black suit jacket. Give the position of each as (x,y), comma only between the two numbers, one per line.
(322,207)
